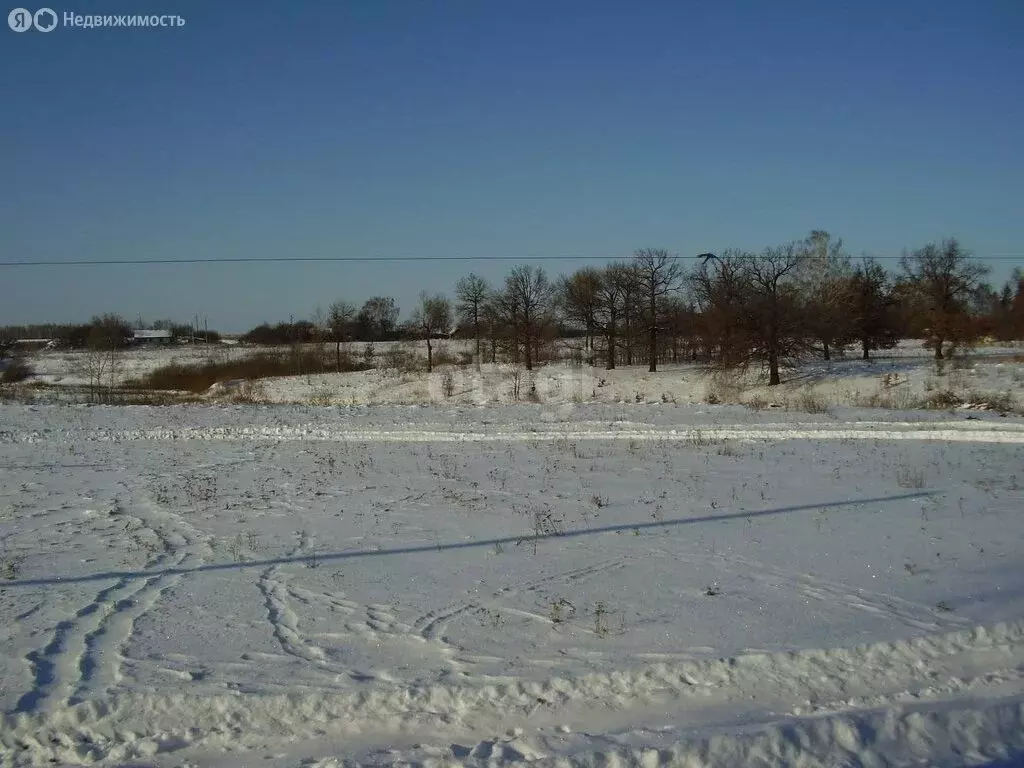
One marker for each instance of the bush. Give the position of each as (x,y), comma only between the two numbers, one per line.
(448,383)
(809,402)
(443,357)
(909,477)
(992,401)
(249,393)
(940,400)
(401,358)
(199,378)
(724,387)
(15,372)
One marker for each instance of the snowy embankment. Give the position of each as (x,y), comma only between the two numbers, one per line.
(567,585)
(901,378)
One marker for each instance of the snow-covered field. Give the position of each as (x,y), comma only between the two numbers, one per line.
(900,378)
(562,583)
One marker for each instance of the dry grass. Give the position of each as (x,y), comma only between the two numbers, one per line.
(808,402)
(940,400)
(199,378)
(725,387)
(909,477)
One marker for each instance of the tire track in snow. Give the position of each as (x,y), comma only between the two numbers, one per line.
(433,625)
(914,615)
(79,646)
(921,669)
(85,653)
(284,622)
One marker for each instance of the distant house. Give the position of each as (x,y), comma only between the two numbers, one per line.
(151,336)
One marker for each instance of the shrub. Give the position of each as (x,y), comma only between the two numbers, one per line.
(994,401)
(940,400)
(909,477)
(322,396)
(403,359)
(250,392)
(725,387)
(448,382)
(757,403)
(443,357)
(809,402)
(15,372)
(199,378)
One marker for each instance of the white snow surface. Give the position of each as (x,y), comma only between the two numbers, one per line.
(560,584)
(897,378)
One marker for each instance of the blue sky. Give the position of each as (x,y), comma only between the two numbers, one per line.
(478,128)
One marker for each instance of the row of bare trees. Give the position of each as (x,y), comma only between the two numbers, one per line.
(786,304)
(774,308)
(735,309)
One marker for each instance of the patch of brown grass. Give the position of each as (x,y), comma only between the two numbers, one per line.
(199,378)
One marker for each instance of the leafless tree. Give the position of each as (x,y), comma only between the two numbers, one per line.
(753,304)
(491,320)
(658,275)
(471,294)
(824,275)
(525,307)
(578,297)
(340,322)
(613,291)
(943,277)
(432,316)
(721,288)
(632,308)
(874,316)
(377,319)
(103,356)
(777,309)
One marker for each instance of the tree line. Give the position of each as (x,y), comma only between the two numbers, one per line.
(775,308)
(106,331)
(781,306)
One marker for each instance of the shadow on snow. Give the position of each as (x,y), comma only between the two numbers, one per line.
(325,557)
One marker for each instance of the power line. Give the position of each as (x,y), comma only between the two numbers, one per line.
(364,259)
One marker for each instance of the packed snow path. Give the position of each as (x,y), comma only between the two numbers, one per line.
(577,585)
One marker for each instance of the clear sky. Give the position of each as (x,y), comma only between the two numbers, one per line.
(482,128)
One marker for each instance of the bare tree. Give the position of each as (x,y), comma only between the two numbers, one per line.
(377,319)
(874,316)
(525,307)
(632,310)
(943,278)
(608,309)
(578,297)
(340,322)
(658,276)
(721,287)
(471,293)
(824,276)
(103,365)
(492,321)
(777,310)
(432,316)
(755,309)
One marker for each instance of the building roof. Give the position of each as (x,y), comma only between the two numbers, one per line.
(152,334)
